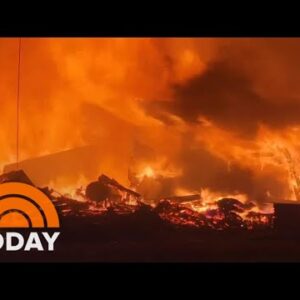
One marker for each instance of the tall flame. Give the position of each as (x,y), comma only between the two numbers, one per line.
(188,114)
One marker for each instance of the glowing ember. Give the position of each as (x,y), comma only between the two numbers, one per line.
(213,212)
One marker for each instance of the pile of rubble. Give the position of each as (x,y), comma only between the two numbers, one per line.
(228,214)
(106,197)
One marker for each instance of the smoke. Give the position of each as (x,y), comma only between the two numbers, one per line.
(203,112)
(228,99)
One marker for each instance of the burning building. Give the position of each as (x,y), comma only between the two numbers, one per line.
(178,123)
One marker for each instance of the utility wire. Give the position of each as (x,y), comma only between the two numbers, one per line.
(18,107)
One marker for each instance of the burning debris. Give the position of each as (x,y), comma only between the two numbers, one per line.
(183,199)
(107,196)
(226,213)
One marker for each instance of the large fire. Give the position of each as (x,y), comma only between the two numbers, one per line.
(170,117)
(205,210)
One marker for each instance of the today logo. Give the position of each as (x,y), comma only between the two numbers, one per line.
(25,207)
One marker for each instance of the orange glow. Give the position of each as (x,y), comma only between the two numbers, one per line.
(148,171)
(164,116)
